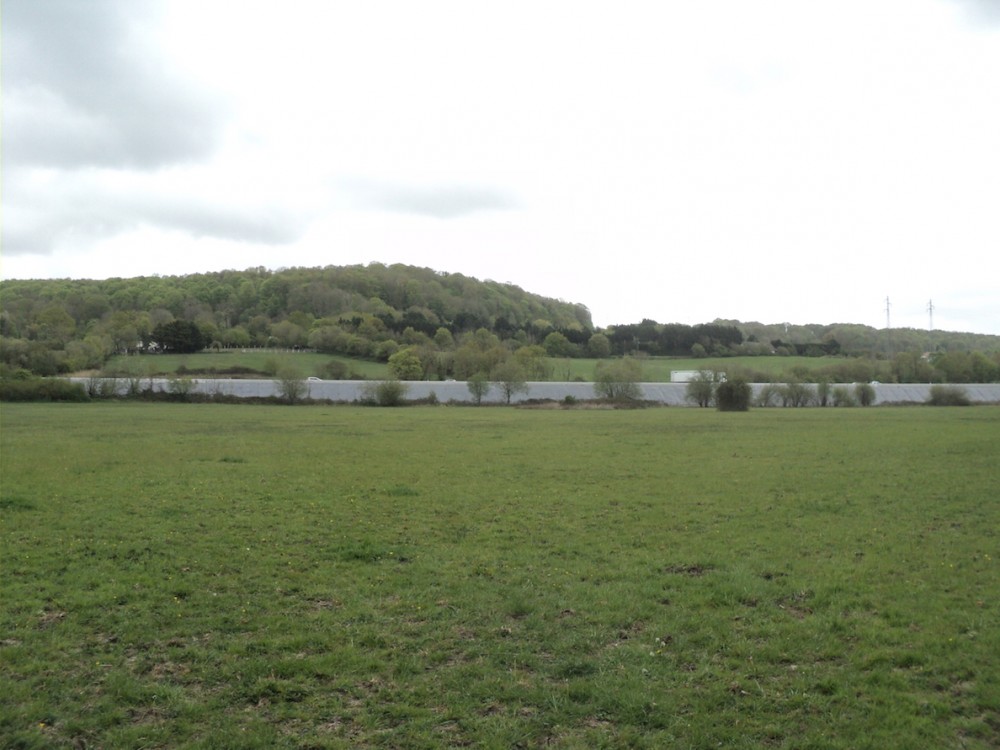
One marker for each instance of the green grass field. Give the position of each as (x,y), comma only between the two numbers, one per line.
(219,576)
(261,360)
(654,369)
(758,369)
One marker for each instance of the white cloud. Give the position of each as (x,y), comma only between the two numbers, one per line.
(679,161)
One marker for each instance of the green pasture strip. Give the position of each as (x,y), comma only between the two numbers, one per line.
(776,366)
(262,576)
(308,363)
(658,369)
(654,369)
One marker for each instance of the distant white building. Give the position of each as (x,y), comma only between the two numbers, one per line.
(686,376)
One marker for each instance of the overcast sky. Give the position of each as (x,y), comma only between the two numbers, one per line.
(682,161)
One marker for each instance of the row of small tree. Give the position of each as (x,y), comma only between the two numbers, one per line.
(735,394)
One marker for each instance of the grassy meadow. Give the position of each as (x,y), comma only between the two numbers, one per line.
(654,369)
(237,576)
(215,364)
(756,369)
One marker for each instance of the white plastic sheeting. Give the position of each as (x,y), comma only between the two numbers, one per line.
(671,394)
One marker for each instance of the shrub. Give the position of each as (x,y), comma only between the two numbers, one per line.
(333,370)
(180,388)
(367,394)
(701,390)
(510,378)
(823,393)
(384,350)
(384,393)
(948,395)
(102,387)
(865,394)
(599,346)
(769,395)
(733,395)
(478,385)
(796,394)
(41,389)
(406,365)
(842,396)
(618,380)
(290,384)
(14,373)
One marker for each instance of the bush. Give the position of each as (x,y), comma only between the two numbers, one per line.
(701,390)
(390,393)
(510,378)
(618,380)
(180,388)
(769,395)
(842,396)
(823,393)
(384,393)
(733,395)
(406,365)
(291,386)
(333,370)
(865,394)
(796,394)
(479,385)
(41,389)
(102,387)
(948,395)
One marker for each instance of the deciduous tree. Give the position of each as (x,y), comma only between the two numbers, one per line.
(618,380)
(599,346)
(733,395)
(179,336)
(406,365)
(510,378)
(478,385)
(701,390)
(291,385)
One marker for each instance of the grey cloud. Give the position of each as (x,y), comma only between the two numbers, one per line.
(246,225)
(81,211)
(440,201)
(86,99)
(80,89)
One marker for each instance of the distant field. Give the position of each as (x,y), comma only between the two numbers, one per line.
(654,369)
(309,363)
(658,369)
(277,577)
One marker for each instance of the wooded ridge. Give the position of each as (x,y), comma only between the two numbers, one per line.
(376,311)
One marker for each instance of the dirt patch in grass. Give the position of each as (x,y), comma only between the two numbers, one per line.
(688,570)
(50,618)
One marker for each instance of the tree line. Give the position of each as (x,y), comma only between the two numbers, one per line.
(418,320)
(63,325)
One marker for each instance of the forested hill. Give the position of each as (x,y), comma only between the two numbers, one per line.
(454,324)
(423,298)
(347,309)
